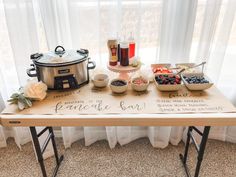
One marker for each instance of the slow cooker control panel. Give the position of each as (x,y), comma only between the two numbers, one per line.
(65,82)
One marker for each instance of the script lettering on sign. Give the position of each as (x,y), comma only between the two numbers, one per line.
(81,105)
(134,107)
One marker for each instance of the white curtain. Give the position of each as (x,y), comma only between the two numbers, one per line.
(2,133)
(165,31)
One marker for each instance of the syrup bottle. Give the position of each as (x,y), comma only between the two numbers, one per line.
(131,46)
(118,48)
(124,53)
(112,47)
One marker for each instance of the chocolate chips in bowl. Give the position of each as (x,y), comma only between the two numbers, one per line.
(118,85)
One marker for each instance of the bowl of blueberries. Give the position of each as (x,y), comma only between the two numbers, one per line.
(168,82)
(118,85)
(196,81)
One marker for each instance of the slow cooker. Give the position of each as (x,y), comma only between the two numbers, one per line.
(62,69)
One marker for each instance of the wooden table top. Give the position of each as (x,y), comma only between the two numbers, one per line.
(211,109)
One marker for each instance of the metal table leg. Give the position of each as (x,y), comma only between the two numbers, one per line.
(200,148)
(40,150)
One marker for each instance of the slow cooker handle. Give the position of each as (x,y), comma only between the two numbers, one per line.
(93,65)
(30,70)
(59,51)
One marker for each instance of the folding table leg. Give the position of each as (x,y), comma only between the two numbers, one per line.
(187,144)
(58,160)
(40,151)
(200,149)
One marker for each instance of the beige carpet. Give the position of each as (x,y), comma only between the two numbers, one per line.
(137,159)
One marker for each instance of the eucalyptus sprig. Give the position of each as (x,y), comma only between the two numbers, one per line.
(19,99)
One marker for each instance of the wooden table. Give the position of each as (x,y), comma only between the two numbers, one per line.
(200,119)
(159,119)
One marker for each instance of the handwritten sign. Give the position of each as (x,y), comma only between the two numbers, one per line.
(91,100)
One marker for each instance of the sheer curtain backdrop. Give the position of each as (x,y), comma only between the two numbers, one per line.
(165,31)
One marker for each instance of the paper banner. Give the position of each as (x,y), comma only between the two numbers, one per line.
(91,100)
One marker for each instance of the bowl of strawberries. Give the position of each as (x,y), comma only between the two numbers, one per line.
(161,69)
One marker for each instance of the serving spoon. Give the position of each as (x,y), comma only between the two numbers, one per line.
(178,73)
(190,67)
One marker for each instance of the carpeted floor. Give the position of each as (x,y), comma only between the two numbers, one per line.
(137,159)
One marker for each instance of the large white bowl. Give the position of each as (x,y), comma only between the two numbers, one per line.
(196,70)
(100,80)
(119,89)
(198,87)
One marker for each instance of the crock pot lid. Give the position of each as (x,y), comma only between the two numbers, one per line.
(66,57)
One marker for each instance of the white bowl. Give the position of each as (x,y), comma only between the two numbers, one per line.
(100,80)
(141,87)
(168,87)
(189,71)
(198,87)
(185,64)
(119,89)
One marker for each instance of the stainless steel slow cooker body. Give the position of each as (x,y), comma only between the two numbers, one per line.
(62,69)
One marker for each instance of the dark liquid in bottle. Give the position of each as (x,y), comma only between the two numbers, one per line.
(124,56)
(118,52)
